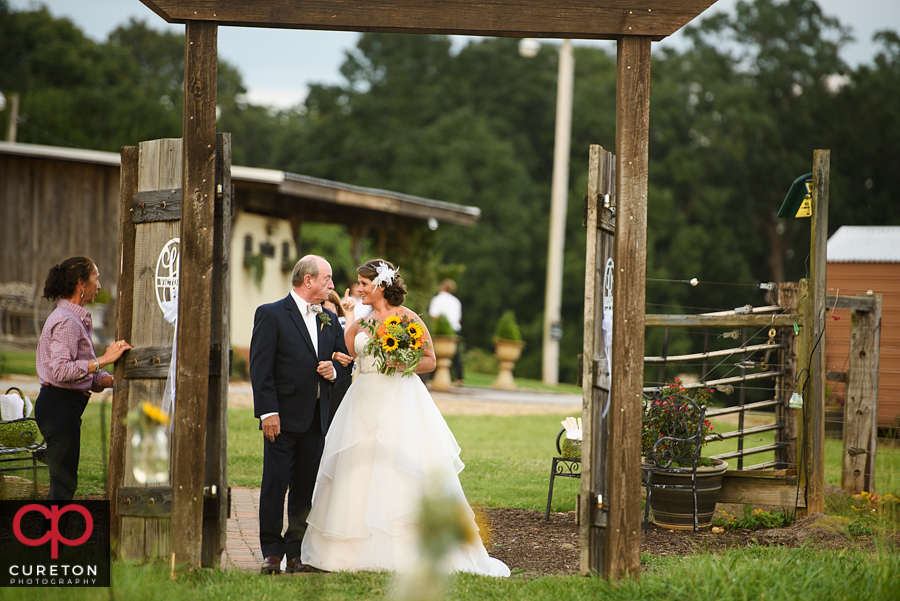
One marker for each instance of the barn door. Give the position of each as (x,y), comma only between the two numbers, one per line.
(149,249)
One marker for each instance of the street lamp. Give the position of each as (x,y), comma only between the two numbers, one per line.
(558,200)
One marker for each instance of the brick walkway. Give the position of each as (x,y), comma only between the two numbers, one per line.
(242,550)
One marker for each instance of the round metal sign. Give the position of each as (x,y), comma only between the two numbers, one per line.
(167,273)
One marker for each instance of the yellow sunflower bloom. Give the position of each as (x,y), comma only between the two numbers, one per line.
(415,330)
(416,343)
(389,343)
(393,320)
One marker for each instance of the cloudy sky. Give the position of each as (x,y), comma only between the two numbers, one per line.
(277,65)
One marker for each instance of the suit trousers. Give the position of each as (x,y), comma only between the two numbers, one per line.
(290,465)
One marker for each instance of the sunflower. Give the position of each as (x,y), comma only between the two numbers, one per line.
(154,413)
(393,320)
(389,343)
(415,330)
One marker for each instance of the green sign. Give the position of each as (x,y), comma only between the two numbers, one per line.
(798,202)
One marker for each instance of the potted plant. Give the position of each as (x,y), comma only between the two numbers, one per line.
(507,347)
(670,420)
(445,341)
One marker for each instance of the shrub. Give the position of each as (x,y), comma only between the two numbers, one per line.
(442,327)
(507,328)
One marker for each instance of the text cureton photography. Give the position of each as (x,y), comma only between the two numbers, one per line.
(54,543)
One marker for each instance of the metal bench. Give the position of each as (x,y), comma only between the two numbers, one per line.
(563,467)
(22,448)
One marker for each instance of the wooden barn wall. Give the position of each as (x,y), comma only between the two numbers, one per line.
(52,209)
(881,278)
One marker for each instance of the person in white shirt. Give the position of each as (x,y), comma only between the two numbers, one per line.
(360,310)
(444,303)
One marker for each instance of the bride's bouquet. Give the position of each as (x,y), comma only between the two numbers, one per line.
(397,341)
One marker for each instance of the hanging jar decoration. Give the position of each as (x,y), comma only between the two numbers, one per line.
(150,444)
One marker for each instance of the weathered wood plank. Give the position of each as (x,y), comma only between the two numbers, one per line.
(862,302)
(195,287)
(728,321)
(157,205)
(623,461)
(144,501)
(861,408)
(512,18)
(215,522)
(152,362)
(124,306)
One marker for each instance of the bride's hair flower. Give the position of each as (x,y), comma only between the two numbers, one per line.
(385,275)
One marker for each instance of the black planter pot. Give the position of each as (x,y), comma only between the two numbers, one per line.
(674,508)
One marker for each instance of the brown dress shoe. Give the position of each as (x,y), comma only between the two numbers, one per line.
(272,565)
(294,565)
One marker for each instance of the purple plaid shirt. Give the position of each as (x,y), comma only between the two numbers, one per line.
(65,349)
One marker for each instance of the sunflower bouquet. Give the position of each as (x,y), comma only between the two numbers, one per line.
(398,340)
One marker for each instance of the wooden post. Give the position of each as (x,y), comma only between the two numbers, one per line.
(128,184)
(600,225)
(861,409)
(629,290)
(815,500)
(786,386)
(195,289)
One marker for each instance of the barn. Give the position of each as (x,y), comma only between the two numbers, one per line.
(863,259)
(56,202)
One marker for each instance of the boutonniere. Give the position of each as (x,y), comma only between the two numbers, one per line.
(324,320)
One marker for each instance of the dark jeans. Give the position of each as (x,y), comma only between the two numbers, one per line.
(290,462)
(58,413)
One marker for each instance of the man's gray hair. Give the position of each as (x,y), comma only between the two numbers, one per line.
(308,265)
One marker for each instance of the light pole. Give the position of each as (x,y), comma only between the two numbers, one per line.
(558,200)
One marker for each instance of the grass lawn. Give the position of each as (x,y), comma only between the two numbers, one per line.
(17,362)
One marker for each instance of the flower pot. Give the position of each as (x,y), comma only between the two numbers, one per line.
(507,352)
(673,508)
(444,350)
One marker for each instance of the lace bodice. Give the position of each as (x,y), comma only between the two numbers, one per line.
(366,363)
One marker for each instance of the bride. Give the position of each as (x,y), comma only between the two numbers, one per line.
(387,445)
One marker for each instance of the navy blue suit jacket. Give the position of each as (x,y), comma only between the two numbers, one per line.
(283,365)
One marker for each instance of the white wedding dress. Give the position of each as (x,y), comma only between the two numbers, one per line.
(387,444)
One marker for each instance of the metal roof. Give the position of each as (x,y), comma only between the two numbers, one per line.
(288,184)
(865,244)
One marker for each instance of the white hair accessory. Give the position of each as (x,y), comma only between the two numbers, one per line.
(385,276)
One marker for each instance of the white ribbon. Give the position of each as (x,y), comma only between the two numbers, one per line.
(170,313)
(607,349)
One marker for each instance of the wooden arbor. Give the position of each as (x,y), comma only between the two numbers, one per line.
(632,23)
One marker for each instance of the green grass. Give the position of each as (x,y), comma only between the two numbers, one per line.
(17,362)
(751,572)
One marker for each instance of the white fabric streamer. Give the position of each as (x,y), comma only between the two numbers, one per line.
(170,313)
(607,349)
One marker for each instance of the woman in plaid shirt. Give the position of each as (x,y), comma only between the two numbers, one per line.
(69,369)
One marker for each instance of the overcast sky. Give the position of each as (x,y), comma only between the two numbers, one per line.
(277,64)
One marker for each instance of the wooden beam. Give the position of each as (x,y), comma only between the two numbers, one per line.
(128,184)
(623,461)
(862,302)
(785,385)
(195,288)
(815,500)
(761,488)
(726,321)
(507,18)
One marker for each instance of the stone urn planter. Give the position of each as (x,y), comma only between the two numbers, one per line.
(674,508)
(507,352)
(444,350)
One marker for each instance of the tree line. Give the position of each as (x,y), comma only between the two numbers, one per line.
(734,119)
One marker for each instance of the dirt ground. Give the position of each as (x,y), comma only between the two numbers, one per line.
(532,547)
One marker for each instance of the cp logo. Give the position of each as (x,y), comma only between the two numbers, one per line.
(53,535)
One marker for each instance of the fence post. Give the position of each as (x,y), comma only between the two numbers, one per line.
(861,407)
(785,386)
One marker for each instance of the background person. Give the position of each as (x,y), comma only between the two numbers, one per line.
(444,303)
(69,369)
